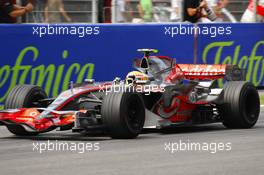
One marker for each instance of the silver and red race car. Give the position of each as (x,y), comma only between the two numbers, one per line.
(159,94)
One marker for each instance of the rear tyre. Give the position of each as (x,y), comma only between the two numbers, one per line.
(241,105)
(123,114)
(23,96)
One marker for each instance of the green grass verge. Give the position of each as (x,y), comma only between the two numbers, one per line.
(262,99)
(1,107)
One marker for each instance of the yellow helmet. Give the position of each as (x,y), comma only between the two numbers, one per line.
(136,77)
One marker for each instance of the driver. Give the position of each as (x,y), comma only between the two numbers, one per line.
(136,77)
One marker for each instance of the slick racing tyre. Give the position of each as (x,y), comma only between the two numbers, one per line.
(241,105)
(123,114)
(23,96)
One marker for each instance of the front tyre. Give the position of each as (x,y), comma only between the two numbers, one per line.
(123,114)
(25,96)
(241,105)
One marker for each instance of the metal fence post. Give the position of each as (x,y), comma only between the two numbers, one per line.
(255,10)
(113,16)
(94,11)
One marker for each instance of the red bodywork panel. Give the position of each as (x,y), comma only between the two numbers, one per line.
(203,71)
(179,111)
(28,116)
(190,72)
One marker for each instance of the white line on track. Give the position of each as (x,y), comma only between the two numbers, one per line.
(262,106)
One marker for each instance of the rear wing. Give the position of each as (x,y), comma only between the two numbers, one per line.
(212,72)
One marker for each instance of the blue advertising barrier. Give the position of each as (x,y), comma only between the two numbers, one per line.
(53,55)
(242,45)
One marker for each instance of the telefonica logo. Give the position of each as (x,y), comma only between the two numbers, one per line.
(53,78)
(229,53)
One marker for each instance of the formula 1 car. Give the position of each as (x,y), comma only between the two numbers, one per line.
(159,94)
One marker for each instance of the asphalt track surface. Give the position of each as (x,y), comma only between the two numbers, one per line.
(145,155)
